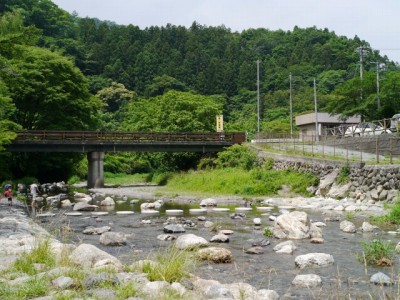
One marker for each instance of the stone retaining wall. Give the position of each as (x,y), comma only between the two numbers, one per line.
(366,182)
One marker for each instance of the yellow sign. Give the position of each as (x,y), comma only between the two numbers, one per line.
(220,123)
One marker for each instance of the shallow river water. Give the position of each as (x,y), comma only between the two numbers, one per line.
(347,278)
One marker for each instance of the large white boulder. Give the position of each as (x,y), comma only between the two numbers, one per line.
(313,260)
(108,201)
(208,202)
(326,182)
(215,254)
(113,239)
(286,247)
(90,256)
(295,225)
(307,280)
(190,241)
(347,226)
(81,197)
(84,206)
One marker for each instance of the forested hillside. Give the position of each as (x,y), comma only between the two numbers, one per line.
(61,71)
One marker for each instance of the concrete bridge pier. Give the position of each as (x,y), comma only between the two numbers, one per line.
(95,176)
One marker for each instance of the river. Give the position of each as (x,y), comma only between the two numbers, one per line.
(346,278)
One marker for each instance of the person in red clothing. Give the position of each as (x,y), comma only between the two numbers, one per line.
(8,195)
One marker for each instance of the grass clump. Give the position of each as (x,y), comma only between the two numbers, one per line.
(268,232)
(40,254)
(171,265)
(393,217)
(344,174)
(126,290)
(377,253)
(33,288)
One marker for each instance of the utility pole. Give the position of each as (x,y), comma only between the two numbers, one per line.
(258,96)
(378,67)
(291,106)
(362,51)
(316,112)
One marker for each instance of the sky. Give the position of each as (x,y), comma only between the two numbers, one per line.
(376,22)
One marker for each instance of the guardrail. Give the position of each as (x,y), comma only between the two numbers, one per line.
(374,148)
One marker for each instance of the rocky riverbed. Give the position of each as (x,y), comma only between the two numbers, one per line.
(317,260)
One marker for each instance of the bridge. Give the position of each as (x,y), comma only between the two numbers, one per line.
(96,143)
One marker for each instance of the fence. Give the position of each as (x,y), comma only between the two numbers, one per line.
(376,148)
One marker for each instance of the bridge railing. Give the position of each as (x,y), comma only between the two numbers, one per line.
(127,136)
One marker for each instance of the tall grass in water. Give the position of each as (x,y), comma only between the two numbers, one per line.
(392,218)
(377,253)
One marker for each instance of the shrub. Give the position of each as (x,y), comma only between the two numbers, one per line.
(206,163)
(162,178)
(80,168)
(237,156)
(268,164)
(344,174)
(73,179)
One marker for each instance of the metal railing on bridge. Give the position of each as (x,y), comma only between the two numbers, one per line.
(134,137)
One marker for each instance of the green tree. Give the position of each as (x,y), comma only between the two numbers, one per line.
(390,95)
(173,111)
(44,83)
(328,80)
(114,96)
(43,14)
(7,127)
(162,84)
(352,98)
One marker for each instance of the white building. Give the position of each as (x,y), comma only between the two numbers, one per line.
(327,124)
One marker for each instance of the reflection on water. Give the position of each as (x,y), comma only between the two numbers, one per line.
(269,270)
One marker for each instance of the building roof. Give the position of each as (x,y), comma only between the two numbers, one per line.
(323,117)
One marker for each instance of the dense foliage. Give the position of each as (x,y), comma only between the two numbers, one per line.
(60,71)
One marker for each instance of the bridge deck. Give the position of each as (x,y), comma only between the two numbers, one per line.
(101,141)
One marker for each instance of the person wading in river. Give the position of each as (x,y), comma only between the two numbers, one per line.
(34,189)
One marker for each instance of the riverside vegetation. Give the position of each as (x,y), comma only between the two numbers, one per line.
(171,265)
(236,171)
